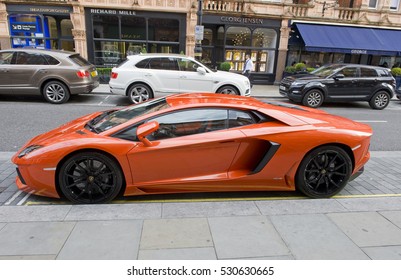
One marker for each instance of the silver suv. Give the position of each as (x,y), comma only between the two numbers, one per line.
(53,74)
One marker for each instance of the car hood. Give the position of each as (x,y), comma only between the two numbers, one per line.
(229,75)
(302,77)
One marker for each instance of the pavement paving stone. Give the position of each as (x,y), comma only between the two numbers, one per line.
(243,237)
(175,234)
(207,253)
(367,229)
(384,253)
(302,206)
(38,213)
(315,237)
(210,209)
(5,196)
(115,212)
(284,257)
(371,204)
(2,225)
(34,238)
(29,257)
(392,216)
(103,240)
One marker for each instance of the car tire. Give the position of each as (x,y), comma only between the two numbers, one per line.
(313,98)
(323,172)
(139,93)
(380,100)
(228,90)
(56,92)
(90,177)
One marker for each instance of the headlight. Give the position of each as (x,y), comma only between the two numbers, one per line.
(28,149)
(298,83)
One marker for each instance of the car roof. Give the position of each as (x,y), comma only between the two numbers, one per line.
(43,51)
(144,55)
(353,65)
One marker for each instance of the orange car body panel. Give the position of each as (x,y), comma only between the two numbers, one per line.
(186,164)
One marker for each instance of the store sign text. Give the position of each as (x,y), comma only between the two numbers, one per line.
(113,12)
(242,20)
(359,51)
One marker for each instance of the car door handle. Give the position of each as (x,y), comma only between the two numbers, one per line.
(148,75)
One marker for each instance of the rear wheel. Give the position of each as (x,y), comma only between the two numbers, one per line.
(90,177)
(139,93)
(380,100)
(56,92)
(313,98)
(324,172)
(228,90)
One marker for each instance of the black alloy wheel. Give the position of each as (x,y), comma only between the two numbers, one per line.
(380,100)
(90,177)
(324,172)
(313,98)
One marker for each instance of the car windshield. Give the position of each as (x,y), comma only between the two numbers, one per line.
(111,119)
(325,71)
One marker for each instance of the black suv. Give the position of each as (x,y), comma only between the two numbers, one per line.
(341,82)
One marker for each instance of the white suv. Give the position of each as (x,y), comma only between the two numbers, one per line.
(145,76)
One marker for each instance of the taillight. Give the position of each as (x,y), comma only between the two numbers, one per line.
(83,74)
(113,75)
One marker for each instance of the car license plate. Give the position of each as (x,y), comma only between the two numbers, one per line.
(94,73)
(282,87)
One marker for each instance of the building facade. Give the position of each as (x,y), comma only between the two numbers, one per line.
(275,33)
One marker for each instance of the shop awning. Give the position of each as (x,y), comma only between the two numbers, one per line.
(348,39)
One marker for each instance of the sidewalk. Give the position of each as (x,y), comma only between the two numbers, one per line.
(363,222)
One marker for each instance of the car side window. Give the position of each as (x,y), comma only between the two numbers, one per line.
(51,60)
(368,72)
(189,122)
(239,118)
(6,57)
(187,65)
(143,63)
(163,63)
(24,58)
(349,72)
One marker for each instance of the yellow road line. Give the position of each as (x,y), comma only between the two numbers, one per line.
(178,200)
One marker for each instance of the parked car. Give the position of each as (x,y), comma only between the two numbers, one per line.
(55,75)
(195,143)
(341,83)
(145,76)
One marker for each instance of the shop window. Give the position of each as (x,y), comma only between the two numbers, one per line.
(105,27)
(107,53)
(66,27)
(264,38)
(163,30)
(207,37)
(220,36)
(133,28)
(373,4)
(238,36)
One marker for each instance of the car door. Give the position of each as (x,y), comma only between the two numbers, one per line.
(368,81)
(162,74)
(193,80)
(345,87)
(189,145)
(28,71)
(5,68)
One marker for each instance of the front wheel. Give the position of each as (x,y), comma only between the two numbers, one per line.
(313,98)
(380,100)
(90,177)
(228,90)
(324,172)
(56,92)
(139,93)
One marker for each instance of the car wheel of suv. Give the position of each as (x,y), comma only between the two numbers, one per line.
(313,98)
(56,92)
(139,93)
(380,100)
(228,90)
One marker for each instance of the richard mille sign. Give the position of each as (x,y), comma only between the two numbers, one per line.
(113,12)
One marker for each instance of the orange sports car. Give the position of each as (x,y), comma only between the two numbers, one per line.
(195,143)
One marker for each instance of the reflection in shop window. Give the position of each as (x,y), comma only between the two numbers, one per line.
(133,28)
(264,38)
(105,27)
(207,37)
(163,30)
(238,36)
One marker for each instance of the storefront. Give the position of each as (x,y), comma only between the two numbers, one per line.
(318,44)
(229,38)
(44,27)
(114,34)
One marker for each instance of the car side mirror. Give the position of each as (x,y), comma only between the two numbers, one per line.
(339,76)
(145,130)
(201,70)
